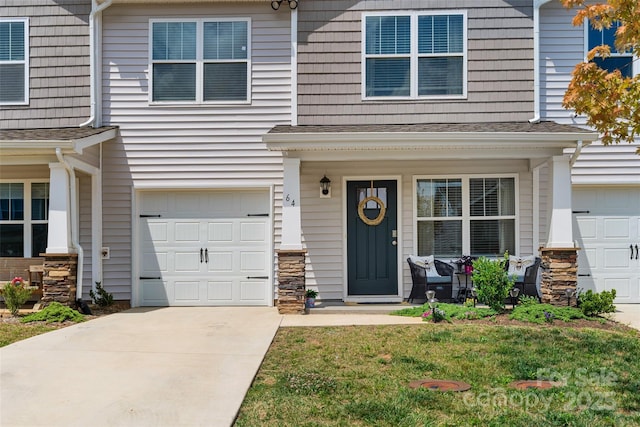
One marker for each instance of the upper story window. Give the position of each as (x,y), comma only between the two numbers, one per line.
(622,61)
(200,61)
(14,61)
(415,55)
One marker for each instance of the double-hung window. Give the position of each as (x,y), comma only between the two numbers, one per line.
(24,218)
(414,55)
(14,61)
(200,61)
(622,61)
(466,215)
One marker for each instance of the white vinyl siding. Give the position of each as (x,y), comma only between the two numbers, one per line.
(562,46)
(322,225)
(14,61)
(414,55)
(186,146)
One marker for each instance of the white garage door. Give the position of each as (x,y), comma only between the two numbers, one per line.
(608,231)
(204,248)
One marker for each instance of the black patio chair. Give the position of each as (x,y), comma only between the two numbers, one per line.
(443,285)
(527,283)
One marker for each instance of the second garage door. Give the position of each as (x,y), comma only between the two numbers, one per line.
(204,248)
(608,232)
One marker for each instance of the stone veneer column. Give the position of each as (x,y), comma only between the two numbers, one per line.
(291,282)
(59,281)
(559,272)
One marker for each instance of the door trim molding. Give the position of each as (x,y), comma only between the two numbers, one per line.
(398,297)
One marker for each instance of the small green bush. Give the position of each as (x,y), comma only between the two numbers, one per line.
(15,293)
(492,281)
(54,312)
(101,297)
(593,303)
(541,313)
(528,300)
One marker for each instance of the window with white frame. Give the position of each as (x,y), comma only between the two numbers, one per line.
(200,61)
(622,61)
(14,61)
(467,215)
(415,55)
(24,218)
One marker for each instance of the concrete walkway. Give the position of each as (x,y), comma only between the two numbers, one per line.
(142,367)
(627,314)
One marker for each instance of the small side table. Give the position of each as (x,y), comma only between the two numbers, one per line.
(464,293)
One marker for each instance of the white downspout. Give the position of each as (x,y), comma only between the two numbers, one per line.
(93,69)
(537,4)
(73,206)
(576,153)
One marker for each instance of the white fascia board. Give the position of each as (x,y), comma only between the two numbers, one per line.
(414,140)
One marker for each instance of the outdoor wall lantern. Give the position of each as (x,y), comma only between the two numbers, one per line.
(325,187)
(275,5)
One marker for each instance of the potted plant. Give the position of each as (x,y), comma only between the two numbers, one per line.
(310,298)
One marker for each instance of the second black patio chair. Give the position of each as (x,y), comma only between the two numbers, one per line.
(442,284)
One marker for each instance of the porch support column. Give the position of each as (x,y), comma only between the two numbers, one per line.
(559,259)
(59,234)
(291,256)
(560,227)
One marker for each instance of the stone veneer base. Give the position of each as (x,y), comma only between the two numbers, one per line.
(559,273)
(60,279)
(291,281)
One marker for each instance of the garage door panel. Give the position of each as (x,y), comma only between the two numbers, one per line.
(588,227)
(252,232)
(606,232)
(220,290)
(187,290)
(187,261)
(220,262)
(252,290)
(220,232)
(154,262)
(236,244)
(616,228)
(154,292)
(252,262)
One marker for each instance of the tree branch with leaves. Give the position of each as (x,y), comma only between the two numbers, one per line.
(609,100)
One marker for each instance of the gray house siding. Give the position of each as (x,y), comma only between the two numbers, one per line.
(58,67)
(500,64)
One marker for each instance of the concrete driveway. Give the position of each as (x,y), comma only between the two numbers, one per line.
(628,314)
(142,367)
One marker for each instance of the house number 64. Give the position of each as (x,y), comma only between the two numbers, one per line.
(290,201)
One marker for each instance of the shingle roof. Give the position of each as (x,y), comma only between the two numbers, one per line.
(497,127)
(54,134)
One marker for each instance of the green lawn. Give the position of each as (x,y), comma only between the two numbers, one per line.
(12,332)
(342,376)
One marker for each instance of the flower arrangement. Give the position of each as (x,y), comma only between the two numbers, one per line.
(15,293)
(436,315)
(465,264)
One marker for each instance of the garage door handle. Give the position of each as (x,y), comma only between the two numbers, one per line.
(206,256)
(257,277)
(636,251)
(200,255)
(150,278)
(584,275)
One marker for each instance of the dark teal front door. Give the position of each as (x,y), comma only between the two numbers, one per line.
(372,238)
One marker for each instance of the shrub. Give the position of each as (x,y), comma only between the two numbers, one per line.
(527,300)
(541,313)
(492,281)
(54,312)
(15,293)
(593,303)
(101,297)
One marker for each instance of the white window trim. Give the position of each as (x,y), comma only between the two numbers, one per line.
(25,61)
(635,60)
(199,61)
(413,55)
(466,217)
(27,222)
